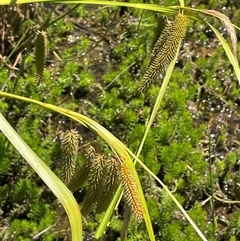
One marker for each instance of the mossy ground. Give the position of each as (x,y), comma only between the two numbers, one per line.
(193,145)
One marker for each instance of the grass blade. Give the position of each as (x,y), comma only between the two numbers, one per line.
(228,51)
(167,10)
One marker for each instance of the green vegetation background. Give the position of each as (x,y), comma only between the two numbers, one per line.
(196,133)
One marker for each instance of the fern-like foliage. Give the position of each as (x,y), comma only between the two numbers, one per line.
(165,49)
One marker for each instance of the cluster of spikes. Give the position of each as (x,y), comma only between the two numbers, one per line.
(102,174)
(169,37)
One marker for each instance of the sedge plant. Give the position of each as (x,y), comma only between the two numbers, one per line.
(162,60)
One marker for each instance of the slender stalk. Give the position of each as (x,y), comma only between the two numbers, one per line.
(211,184)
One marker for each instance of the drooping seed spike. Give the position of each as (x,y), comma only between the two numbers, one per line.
(228,26)
(83,172)
(110,184)
(162,32)
(80,177)
(95,182)
(130,190)
(89,151)
(173,37)
(126,221)
(96,170)
(69,145)
(40,53)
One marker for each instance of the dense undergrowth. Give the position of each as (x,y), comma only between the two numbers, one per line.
(193,145)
